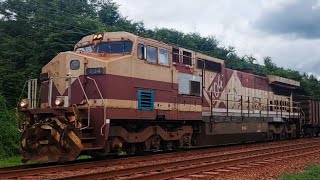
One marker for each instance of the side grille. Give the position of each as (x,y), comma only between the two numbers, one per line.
(195,88)
(145,100)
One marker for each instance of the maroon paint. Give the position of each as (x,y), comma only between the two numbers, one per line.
(182,68)
(126,88)
(253,81)
(97,121)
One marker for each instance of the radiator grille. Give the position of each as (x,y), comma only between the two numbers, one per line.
(145,100)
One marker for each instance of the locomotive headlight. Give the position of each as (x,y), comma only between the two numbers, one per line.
(24,103)
(59,101)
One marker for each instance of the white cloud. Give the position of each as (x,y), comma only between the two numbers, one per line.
(232,23)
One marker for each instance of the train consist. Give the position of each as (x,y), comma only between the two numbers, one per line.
(120,92)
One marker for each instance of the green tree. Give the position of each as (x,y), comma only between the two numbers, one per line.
(32,32)
(9,134)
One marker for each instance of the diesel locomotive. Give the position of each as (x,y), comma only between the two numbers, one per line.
(119,92)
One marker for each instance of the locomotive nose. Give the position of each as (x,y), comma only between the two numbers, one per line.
(58,77)
(66,63)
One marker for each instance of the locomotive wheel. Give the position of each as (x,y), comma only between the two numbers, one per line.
(171,146)
(185,141)
(282,135)
(167,146)
(176,146)
(271,135)
(153,143)
(130,148)
(139,148)
(308,133)
(293,134)
(287,136)
(314,132)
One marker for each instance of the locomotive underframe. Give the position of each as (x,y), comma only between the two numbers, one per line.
(60,138)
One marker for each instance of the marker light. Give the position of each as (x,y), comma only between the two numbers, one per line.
(24,103)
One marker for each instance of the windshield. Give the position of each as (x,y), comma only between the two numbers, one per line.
(115,47)
(88,48)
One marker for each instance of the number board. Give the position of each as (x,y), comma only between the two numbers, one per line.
(95,71)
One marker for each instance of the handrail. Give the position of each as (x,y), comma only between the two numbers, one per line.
(24,86)
(304,115)
(81,86)
(89,110)
(104,106)
(84,93)
(32,85)
(32,92)
(247,96)
(257,103)
(33,96)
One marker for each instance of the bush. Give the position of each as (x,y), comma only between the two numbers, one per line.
(9,134)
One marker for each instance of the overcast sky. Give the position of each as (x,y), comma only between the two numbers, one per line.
(286,30)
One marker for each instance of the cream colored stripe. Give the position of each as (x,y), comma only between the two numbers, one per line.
(136,68)
(116,103)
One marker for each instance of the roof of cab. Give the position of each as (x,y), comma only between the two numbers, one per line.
(106,36)
(86,40)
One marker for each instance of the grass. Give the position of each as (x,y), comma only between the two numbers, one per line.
(12,161)
(84,157)
(16,161)
(312,173)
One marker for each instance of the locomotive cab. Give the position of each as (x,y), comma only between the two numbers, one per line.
(73,87)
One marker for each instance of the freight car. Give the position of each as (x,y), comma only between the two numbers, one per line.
(310,125)
(120,92)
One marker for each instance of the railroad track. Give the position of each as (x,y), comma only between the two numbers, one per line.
(207,165)
(37,169)
(180,164)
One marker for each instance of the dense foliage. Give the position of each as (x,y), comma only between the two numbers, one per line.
(9,134)
(33,31)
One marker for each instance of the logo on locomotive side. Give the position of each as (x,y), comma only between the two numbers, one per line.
(216,87)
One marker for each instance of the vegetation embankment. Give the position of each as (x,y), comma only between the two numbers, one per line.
(9,134)
(32,32)
(312,173)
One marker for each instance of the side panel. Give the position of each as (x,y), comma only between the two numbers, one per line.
(216,133)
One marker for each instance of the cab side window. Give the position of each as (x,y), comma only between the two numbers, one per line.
(163,57)
(152,54)
(187,58)
(175,55)
(141,51)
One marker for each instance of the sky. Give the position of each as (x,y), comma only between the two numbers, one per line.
(286,30)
